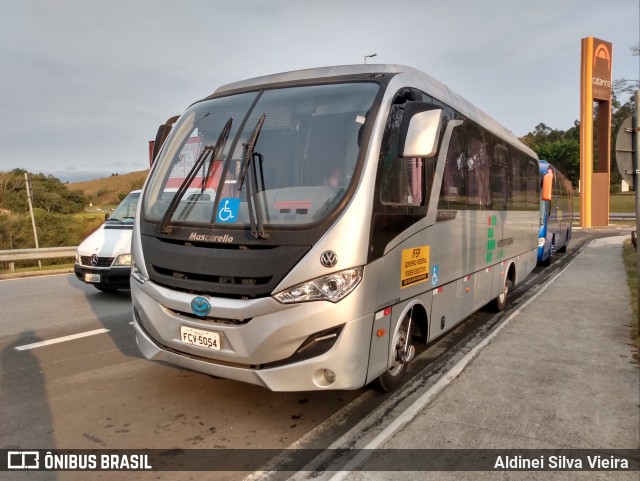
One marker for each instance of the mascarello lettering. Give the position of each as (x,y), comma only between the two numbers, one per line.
(222,239)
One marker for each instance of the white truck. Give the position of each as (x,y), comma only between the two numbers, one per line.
(104,258)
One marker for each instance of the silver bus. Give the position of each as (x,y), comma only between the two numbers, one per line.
(305,230)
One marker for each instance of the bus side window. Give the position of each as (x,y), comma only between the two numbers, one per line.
(453,194)
(478,184)
(519,165)
(499,177)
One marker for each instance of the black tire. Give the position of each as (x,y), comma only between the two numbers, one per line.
(552,250)
(566,243)
(546,262)
(500,302)
(392,377)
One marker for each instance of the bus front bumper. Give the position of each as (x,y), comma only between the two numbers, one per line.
(342,367)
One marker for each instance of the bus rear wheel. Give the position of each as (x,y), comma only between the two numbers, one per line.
(403,352)
(563,249)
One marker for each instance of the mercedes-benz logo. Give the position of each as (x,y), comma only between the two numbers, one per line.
(329,259)
(94,260)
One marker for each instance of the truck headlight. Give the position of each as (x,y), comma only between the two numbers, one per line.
(123,260)
(333,287)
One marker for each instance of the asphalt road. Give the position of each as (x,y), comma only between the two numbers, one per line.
(97,392)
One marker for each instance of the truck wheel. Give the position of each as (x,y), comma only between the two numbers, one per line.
(402,355)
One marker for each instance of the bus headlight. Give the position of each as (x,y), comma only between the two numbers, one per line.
(123,260)
(333,288)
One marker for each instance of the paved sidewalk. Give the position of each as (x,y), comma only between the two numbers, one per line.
(559,375)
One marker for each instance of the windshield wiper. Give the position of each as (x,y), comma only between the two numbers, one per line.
(247,152)
(253,198)
(209,150)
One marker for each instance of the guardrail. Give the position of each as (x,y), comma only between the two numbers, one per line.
(13,255)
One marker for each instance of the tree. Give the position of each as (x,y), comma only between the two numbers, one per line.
(48,193)
(619,113)
(565,155)
(562,148)
(52,202)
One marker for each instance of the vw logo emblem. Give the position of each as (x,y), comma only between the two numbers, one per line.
(329,259)
(94,260)
(200,306)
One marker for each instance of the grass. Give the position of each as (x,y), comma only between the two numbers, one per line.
(45,268)
(104,193)
(630,258)
(618,204)
(622,203)
(32,267)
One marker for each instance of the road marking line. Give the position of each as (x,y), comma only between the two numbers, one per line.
(61,339)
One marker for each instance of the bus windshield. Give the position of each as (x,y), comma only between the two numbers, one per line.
(290,156)
(544,206)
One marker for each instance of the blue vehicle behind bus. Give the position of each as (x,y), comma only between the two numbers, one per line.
(556,213)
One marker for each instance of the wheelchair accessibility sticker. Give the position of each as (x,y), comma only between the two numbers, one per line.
(434,276)
(228,210)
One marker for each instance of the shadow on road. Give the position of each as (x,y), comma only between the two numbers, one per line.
(23,389)
(113,311)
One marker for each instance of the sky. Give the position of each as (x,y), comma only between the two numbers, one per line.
(84,84)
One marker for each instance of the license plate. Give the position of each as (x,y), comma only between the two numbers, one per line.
(198,337)
(92,277)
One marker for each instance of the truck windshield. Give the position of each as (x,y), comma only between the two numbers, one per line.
(302,162)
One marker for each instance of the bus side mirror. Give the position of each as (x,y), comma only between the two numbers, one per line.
(161,136)
(420,130)
(547,186)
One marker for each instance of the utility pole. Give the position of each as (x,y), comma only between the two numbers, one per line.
(33,220)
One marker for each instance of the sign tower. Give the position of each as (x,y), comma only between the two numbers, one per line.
(595,88)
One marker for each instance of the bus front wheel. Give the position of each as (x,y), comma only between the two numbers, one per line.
(403,352)
(500,302)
